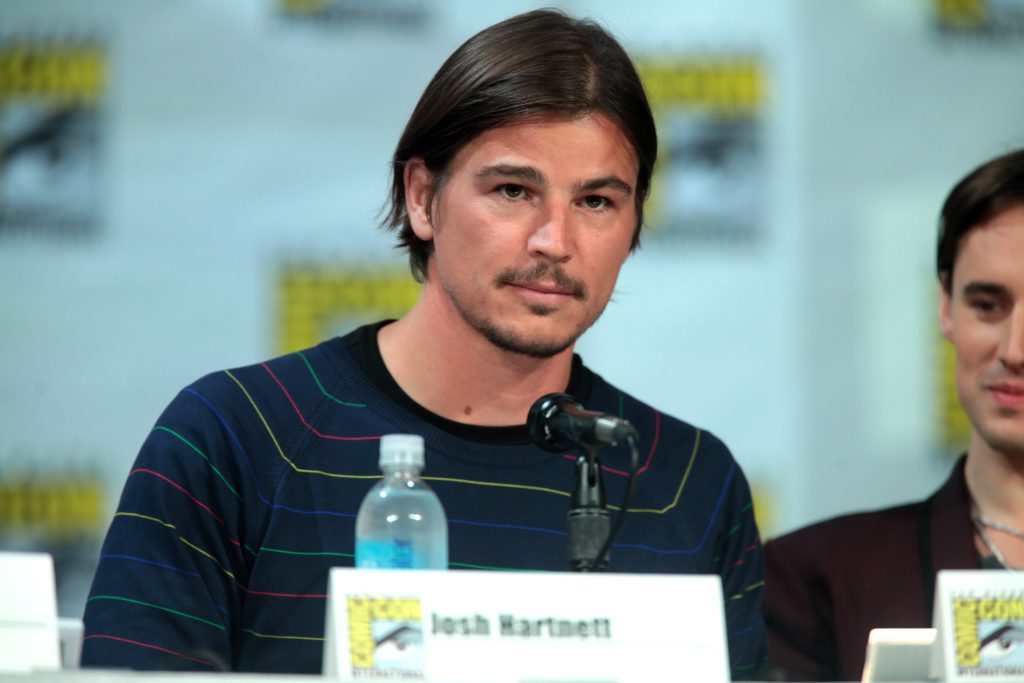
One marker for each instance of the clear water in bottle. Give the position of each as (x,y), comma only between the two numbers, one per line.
(401,524)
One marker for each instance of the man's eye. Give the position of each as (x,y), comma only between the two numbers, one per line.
(512,191)
(596,201)
(984,305)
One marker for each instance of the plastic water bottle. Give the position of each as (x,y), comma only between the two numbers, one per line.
(401,524)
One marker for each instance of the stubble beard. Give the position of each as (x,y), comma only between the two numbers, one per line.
(509,340)
(1011,445)
(991,422)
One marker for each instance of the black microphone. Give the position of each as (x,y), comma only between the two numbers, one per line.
(557,422)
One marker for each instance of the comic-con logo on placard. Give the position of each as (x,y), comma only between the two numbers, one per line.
(385,637)
(989,636)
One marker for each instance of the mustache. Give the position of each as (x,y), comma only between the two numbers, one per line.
(998,374)
(542,272)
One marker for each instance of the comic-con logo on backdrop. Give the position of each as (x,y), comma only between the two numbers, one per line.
(996,20)
(390,14)
(317,300)
(52,88)
(709,185)
(953,427)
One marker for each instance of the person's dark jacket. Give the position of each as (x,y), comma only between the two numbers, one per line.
(827,585)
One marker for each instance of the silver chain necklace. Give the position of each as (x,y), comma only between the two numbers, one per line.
(996,524)
(980,522)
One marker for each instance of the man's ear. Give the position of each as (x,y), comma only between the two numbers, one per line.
(419,188)
(945,315)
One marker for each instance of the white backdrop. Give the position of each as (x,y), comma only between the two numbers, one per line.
(231,139)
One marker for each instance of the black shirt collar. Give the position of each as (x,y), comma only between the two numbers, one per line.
(362,344)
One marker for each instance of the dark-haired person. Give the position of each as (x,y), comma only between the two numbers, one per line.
(830,583)
(519,185)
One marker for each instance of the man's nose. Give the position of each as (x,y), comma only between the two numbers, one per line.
(552,235)
(1012,352)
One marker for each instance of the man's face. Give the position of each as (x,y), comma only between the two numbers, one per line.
(983,317)
(530,227)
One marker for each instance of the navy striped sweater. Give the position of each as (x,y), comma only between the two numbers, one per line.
(245,494)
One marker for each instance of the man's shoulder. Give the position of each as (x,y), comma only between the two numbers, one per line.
(662,427)
(887,524)
(314,369)
(850,537)
(855,522)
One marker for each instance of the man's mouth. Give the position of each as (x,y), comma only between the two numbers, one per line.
(1007,394)
(543,280)
(543,288)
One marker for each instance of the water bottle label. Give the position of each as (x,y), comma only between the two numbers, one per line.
(397,554)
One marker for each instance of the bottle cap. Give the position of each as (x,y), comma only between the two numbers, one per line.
(401,449)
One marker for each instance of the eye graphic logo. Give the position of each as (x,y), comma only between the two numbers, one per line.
(1003,645)
(990,635)
(385,637)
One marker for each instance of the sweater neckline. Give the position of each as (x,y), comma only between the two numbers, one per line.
(362,348)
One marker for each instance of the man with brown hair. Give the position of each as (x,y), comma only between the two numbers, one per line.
(830,583)
(518,188)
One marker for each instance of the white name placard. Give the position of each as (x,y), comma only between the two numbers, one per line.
(28,613)
(979,616)
(468,626)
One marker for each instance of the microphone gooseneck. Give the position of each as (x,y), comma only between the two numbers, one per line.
(588,522)
(558,422)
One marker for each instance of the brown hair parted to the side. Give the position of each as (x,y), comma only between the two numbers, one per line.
(541,63)
(990,189)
